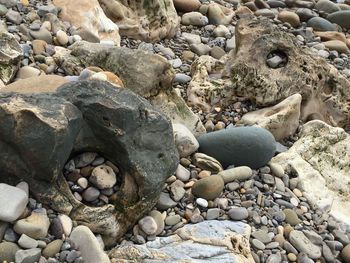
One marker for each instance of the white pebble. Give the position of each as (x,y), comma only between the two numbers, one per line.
(202,202)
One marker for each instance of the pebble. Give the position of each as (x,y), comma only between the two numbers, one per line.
(28,255)
(208,188)
(172,220)
(103,177)
(13,201)
(148,225)
(8,251)
(303,244)
(182,173)
(26,242)
(62,37)
(52,248)
(91,194)
(258,244)
(238,213)
(202,202)
(35,226)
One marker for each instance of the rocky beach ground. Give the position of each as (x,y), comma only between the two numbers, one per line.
(250,164)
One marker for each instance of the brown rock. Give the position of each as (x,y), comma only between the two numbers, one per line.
(331,35)
(345,254)
(187,5)
(39,46)
(336,45)
(208,188)
(289,17)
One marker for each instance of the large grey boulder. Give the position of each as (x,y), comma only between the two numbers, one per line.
(10,56)
(39,132)
(208,241)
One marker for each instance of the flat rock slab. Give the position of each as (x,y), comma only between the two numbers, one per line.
(321,159)
(209,241)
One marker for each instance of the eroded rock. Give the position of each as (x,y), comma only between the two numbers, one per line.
(321,159)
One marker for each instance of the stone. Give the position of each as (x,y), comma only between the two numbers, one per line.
(62,37)
(252,39)
(35,226)
(322,175)
(240,173)
(14,17)
(84,159)
(89,16)
(182,173)
(172,220)
(305,14)
(221,31)
(217,52)
(165,202)
(289,17)
(28,255)
(28,72)
(345,253)
(208,188)
(191,38)
(327,6)
(219,15)
(262,236)
(206,162)
(187,6)
(88,245)
(153,138)
(291,217)
(66,223)
(13,202)
(265,12)
(330,35)
(337,45)
(320,24)
(8,251)
(158,218)
(26,242)
(11,56)
(194,19)
(42,34)
(3,10)
(35,84)
(341,18)
(240,146)
(91,194)
(200,49)
(148,225)
(257,244)
(282,120)
(39,46)
(148,20)
(238,213)
(182,78)
(303,244)
(194,241)
(103,177)
(185,141)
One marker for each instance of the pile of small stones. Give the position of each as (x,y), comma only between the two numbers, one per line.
(92,179)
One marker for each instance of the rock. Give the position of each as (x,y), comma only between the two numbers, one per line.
(88,245)
(26,242)
(108,76)
(320,181)
(219,15)
(262,236)
(241,146)
(151,136)
(330,35)
(8,251)
(194,19)
(149,20)
(185,141)
(291,217)
(172,220)
(238,213)
(221,31)
(182,78)
(11,53)
(208,188)
(320,24)
(327,6)
(217,52)
(191,38)
(182,173)
(165,202)
(91,194)
(200,49)
(3,10)
(84,159)
(266,13)
(341,18)
(194,241)
(66,223)
(103,177)
(241,173)
(39,46)
(345,253)
(148,225)
(206,162)
(257,244)
(13,202)
(28,72)
(187,6)
(14,17)
(157,216)
(303,244)
(282,120)
(290,17)
(89,15)
(305,14)
(35,226)
(42,34)
(252,39)
(62,37)
(337,45)
(28,255)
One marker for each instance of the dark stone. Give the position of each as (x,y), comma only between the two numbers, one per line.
(342,18)
(276,4)
(305,14)
(241,146)
(320,24)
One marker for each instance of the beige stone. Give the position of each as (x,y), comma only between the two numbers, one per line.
(282,120)
(321,160)
(337,45)
(43,83)
(331,35)
(187,5)
(88,14)
(289,17)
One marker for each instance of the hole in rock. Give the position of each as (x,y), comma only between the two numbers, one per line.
(92,179)
(277,59)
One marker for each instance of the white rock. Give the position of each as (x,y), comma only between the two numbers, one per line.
(221,31)
(13,201)
(321,159)
(194,19)
(191,38)
(27,242)
(185,141)
(66,223)
(88,245)
(27,72)
(62,37)
(103,177)
(35,226)
(202,202)
(182,173)
(23,186)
